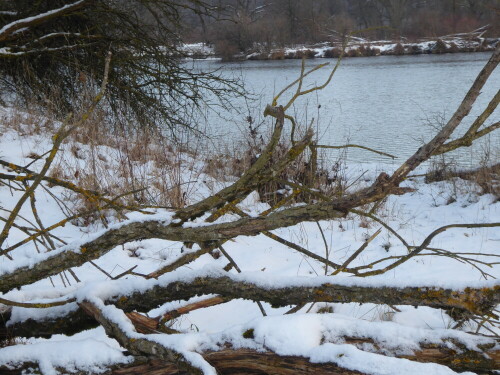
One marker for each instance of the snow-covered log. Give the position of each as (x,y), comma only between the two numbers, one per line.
(149,294)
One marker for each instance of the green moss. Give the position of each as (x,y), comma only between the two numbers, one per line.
(248,334)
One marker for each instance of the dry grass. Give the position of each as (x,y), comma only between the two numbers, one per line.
(482,180)
(333,53)
(111,159)
(277,55)
(300,54)
(146,168)
(326,176)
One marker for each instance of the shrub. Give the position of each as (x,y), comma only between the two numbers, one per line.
(453,48)
(59,55)
(353,53)
(439,47)
(415,50)
(307,53)
(332,53)
(226,50)
(398,49)
(368,51)
(277,55)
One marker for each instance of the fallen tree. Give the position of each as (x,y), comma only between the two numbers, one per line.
(119,305)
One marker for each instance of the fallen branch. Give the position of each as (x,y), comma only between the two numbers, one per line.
(139,344)
(247,361)
(488,178)
(294,291)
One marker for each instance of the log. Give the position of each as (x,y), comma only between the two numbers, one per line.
(242,362)
(449,352)
(138,345)
(247,361)
(478,301)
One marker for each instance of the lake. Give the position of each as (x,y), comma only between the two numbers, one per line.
(389,103)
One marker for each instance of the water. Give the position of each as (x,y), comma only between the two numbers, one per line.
(389,103)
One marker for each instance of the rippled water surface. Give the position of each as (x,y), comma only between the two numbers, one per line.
(389,103)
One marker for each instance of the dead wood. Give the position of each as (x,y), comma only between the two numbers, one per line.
(138,345)
(246,361)
(243,362)
(478,301)
(488,178)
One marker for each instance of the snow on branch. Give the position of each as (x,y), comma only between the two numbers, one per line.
(8,30)
(144,295)
(117,325)
(271,342)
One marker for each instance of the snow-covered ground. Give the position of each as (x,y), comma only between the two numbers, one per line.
(197,50)
(317,336)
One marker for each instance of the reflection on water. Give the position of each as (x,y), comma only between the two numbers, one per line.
(390,103)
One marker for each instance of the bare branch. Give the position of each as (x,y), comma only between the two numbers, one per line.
(426,151)
(424,245)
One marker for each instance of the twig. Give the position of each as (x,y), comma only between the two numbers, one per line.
(356,253)
(231,260)
(357,146)
(327,253)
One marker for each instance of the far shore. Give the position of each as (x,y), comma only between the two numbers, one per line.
(354,49)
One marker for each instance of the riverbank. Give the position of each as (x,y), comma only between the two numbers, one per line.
(359,48)
(360,105)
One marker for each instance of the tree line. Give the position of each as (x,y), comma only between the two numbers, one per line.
(276,23)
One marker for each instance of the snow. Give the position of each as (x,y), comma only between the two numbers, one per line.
(22,314)
(91,355)
(352,358)
(267,264)
(198,50)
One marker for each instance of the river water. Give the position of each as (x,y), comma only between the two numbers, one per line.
(389,103)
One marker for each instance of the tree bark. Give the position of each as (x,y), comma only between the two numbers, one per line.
(243,362)
(247,361)
(478,301)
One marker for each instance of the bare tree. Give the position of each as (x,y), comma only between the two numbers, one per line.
(52,52)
